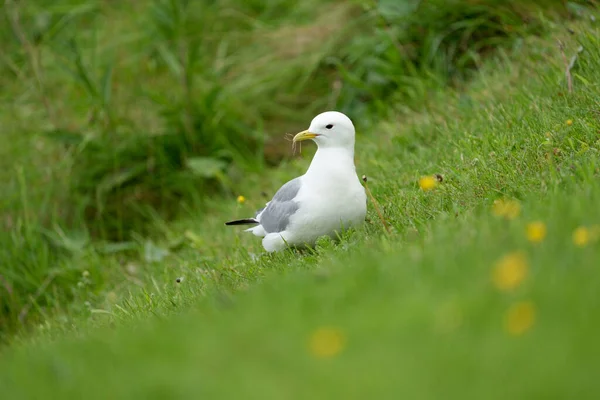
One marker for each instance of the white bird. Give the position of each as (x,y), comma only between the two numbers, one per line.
(327,199)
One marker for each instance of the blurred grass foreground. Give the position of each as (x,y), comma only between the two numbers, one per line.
(131,127)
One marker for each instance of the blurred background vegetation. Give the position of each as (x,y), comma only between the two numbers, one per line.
(118,114)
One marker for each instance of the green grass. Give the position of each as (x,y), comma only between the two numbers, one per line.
(118,118)
(419,311)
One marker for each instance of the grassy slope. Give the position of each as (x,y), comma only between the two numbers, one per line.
(418,310)
(133,161)
(45,240)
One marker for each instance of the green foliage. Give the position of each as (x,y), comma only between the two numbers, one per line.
(412,48)
(204,108)
(121,173)
(418,306)
(121,115)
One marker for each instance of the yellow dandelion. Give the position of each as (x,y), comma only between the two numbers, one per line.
(506,208)
(510,271)
(536,231)
(519,318)
(581,236)
(241,199)
(326,342)
(427,183)
(569,122)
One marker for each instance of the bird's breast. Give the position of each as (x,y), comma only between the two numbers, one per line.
(330,202)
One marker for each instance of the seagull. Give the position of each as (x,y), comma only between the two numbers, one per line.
(327,199)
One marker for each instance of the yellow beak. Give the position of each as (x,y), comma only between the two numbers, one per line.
(304,135)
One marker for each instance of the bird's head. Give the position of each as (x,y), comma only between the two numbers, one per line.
(329,129)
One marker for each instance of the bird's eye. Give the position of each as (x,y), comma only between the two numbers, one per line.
(329,126)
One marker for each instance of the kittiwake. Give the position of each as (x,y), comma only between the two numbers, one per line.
(327,199)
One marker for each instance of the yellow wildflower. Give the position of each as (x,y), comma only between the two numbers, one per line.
(507,208)
(241,199)
(581,236)
(536,231)
(519,318)
(326,342)
(569,122)
(427,183)
(510,271)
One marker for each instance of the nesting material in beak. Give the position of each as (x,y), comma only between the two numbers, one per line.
(304,135)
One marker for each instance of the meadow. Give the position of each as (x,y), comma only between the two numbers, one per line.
(132,131)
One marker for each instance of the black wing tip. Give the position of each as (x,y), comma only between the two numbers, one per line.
(246,221)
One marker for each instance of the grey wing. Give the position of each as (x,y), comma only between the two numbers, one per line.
(276,215)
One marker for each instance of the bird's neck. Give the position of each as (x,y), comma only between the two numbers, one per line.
(332,161)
